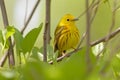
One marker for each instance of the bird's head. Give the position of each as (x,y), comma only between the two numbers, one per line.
(68,19)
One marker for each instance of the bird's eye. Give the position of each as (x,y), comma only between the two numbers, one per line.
(67,19)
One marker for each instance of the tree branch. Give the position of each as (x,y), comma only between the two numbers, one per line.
(88,25)
(3,59)
(46,36)
(95,8)
(6,23)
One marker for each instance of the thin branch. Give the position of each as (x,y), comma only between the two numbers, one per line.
(46,36)
(66,55)
(6,23)
(92,5)
(48,6)
(81,41)
(112,35)
(3,59)
(26,8)
(30,17)
(88,25)
(4,13)
(95,7)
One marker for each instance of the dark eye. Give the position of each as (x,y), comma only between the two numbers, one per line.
(67,19)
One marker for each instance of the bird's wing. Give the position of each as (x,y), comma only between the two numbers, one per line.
(57,34)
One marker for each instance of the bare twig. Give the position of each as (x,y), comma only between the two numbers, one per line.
(3,59)
(81,41)
(88,25)
(92,5)
(66,55)
(29,18)
(26,8)
(46,36)
(94,8)
(113,34)
(4,13)
(6,23)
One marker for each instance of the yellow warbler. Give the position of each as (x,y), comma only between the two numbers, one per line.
(66,34)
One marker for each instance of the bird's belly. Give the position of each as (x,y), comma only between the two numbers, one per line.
(68,40)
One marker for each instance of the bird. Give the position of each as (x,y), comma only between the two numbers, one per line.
(66,35)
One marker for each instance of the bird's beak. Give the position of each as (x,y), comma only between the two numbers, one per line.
(76,19)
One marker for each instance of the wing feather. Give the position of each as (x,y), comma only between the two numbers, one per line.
(57,34)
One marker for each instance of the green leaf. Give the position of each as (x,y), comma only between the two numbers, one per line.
(10,31)
(75,67)
(8,34)
(29,40)
(36,55)
(116,66)
(92,57)
(18,40)
(33,71)
(50,52)
(35,52)
(75,64)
